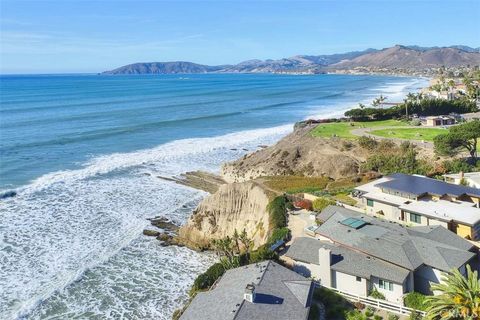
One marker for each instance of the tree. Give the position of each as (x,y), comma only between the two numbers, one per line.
(463,136)
(458,297)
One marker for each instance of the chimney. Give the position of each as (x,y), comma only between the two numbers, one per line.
(325,260)
(249,294)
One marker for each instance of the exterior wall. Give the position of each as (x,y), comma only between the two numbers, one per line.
(349,283)
(310,270)
(423,276)
(390,212)
(464,231)
(396,295)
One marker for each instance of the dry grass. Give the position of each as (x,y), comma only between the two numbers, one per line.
(296,184)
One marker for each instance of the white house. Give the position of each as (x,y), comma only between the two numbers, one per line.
(357,253)
(471,179)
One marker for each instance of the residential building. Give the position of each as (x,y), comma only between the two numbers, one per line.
(261,291)
(470,179)
(357,253)
(417,200)
(435,121)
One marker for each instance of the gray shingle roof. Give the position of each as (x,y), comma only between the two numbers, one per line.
(280,294)
(346,260)
(417,185)
(407,247)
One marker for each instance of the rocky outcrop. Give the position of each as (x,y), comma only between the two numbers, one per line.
(299,154)
(234,206)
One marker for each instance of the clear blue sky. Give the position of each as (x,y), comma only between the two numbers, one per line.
(92,36)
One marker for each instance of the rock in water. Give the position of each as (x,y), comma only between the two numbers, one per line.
(151,233)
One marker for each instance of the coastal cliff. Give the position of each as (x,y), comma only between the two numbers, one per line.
(235,206)
(299,154)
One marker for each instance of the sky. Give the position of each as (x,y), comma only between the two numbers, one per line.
(71,36)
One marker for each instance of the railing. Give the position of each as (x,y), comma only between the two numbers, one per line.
(376,303)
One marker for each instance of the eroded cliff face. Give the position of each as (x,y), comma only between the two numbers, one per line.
(299,154)
(234,206)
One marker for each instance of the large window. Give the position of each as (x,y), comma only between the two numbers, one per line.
(386,285)
(369,202)
(415,218)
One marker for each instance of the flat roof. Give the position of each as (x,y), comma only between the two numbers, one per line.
(419,185)
(445,210)
(386,198)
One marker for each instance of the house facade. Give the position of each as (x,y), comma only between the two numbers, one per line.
(420,201)
(470,179)
(358,254)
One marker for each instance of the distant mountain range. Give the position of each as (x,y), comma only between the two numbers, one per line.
(397,58)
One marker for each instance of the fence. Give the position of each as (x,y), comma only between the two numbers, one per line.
(376,303)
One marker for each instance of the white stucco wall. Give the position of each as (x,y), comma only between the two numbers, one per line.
(390,212)
(349,283)
(396,295)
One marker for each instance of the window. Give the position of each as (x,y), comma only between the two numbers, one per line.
(415,218)
(359,279)
(369,202)
(386,285)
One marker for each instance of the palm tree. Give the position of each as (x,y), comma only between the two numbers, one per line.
(457,297)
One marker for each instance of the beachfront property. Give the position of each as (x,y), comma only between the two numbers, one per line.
(471,179)
(264,290)
(420,201)
(356,253)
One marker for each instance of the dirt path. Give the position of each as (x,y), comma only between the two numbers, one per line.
(366,132)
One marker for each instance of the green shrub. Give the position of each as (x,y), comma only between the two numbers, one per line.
(457,165)
(368,313)
(321,203)
(278,234)
(376,294)
(354,315)
(207,279)
(277,211)
(367,143)
(415,301)
(392,316)
(415,316)
(261,254)
(377,317)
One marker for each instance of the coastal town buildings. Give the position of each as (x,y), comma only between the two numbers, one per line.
(356,253)
(471,179)
(436,121)
(420,201)
(264,290)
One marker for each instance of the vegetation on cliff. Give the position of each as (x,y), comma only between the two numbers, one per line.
(463,137)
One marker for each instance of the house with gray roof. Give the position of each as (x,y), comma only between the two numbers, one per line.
(261,291)
(418,200)
(358,253)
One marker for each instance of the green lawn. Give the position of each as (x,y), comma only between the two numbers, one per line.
(342,129)
(426,134)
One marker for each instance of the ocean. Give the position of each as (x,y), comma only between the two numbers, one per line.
(84,154)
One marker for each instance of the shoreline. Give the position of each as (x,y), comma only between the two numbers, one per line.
(122,161)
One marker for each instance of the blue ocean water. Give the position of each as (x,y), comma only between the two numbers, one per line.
(84,152)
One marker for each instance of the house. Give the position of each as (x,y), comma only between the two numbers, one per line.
(357,253)
(418,200)
(261,291)
(435,121)
(471,179)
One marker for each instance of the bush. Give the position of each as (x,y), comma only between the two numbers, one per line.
(321,203)
(278,234)
(377,317)
(277,211)
(207,279)
(392,316)
(457,165)
(367,143)
(369,313)
(415,301)
(415,316)
(354,315)
(261,254)
(376,294)
(304,204)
